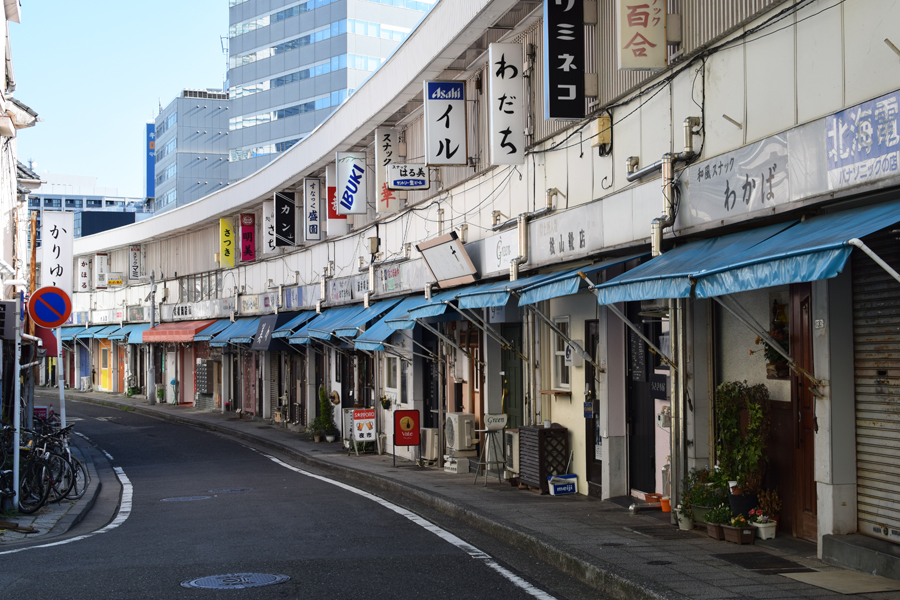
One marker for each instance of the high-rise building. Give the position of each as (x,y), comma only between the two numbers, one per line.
(292,63)
(191,148)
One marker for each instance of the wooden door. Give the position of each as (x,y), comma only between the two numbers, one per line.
(513,376)
(803,403)
(593,440)
(121,352)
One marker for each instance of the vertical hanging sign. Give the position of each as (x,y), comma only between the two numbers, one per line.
(134,262)
(386,143)
(226,243)
(351,183)
(84,275)
(337,223)
(312,210)
(507,104)
(248,237)
(445,123)
(268,227)
(642,34)
(285,219)
(57,263)
(101,270)
(564,59)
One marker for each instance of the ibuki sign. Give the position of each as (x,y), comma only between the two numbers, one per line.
(386,144)
(58,236)
(351,183)
(507,94)
(312,210)
(445,123)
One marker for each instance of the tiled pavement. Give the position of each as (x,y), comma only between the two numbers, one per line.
(627,556)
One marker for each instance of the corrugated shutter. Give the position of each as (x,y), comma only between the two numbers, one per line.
(274,371)
(876,332)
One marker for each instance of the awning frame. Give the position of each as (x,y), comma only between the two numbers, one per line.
(480,323)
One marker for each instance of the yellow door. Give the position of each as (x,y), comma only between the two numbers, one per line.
(104,365)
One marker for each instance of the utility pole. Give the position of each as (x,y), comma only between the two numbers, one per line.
(151,371)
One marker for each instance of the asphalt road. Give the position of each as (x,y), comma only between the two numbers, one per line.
(204,505)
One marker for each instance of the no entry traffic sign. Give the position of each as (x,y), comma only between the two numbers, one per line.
(49,307)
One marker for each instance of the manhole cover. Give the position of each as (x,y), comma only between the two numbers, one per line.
(660,562)
(234,581)
(763,562)
(229,490)
(185,498)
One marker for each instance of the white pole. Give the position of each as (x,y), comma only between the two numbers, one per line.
(62,381)
(17,392)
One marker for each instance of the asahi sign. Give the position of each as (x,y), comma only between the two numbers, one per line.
(408,177)
(351,183)
(134,262)
(445,123)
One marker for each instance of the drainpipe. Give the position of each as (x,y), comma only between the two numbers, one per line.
(523,248)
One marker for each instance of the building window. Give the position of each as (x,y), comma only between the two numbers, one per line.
(390,373)
(94,203)
(34,202)
(52,203)
(115,203)
(561,373)
(72,203)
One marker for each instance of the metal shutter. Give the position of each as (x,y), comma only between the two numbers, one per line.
(274,370)
(876,332)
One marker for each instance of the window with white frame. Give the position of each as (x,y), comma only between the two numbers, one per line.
(390,373)
(561,373)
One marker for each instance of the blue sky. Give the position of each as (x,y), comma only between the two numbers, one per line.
(95,72)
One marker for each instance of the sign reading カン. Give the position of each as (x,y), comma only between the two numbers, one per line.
(351,183)
(285,219)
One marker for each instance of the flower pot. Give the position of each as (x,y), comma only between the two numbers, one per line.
(714,530)
(684,521)
(738,535)
(765,531)
(317,437)
(700,513)
(742,504)
(665,504)
(330,438)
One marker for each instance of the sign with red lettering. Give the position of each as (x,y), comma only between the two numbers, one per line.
(364,425)
(406,428)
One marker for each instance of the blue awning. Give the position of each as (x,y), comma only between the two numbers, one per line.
(353,326)
(436,306)
(670,275)
(239,332)
(322,327)
(68,333)
(291,326)
(106,331)
(210,332)
(122,333)
(137,334)
(373,338)
(565,283)
(88,333)
(814,249)
(496,294)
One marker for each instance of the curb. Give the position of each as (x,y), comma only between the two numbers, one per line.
(84,504)
(607,579)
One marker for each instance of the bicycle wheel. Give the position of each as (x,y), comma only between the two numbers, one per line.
(34,486)
(62,476)
(80,479)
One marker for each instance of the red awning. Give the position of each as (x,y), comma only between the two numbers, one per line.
(176,332)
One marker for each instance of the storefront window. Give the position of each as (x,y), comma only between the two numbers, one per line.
(561,379)
(390,373)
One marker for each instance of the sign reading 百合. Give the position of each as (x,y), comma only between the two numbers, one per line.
(563,51)
(743,181)
(642,34)
(863,142)
(352,183)
(445,123)
(507,95)
(57,263)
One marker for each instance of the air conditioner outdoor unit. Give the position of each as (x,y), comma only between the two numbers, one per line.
(459,429)
(511,443)
(429,443)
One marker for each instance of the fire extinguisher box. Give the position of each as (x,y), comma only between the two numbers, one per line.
(561,485)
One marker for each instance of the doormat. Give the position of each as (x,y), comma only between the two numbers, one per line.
(660,532)
(847,582)
(763,562)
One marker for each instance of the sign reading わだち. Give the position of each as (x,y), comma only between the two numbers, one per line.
(507,94)
(248,237)
(57,238)
(227,246)
(312,210)
(445,123)
(351,183)
(134,262)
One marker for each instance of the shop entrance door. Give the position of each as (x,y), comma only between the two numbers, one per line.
(104,366)
(593,441)
(803,403)
(512,376)
(249,382)
(169,377)
(639,401)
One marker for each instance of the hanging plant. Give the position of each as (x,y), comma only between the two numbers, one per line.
(741,450)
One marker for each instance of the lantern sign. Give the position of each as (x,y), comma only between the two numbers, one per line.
(312,210)
(248,237)
(134,262)
(642,34)
(57,239)
(84,275)
(445,123)
(386,144)
(285,219)
(408,177)
(337,223)
(507,94)
(351,183)
(101,270)
(564,59)
(227,247)
(269,227)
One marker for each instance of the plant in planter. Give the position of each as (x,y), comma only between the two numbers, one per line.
(385,403)
(741,449)
(701,491)
(769,503)
(685,521)
(739,530)
(715,518)
(326,416)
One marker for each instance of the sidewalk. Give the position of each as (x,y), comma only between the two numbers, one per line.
(600,543)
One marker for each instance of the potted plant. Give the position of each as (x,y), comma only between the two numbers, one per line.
(741,449)
(738,530)
(701,491)
(763,524)
(769,503)
(715,518)
(326,416)
(685,521)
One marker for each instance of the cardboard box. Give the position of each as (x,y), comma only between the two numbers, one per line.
(562,484)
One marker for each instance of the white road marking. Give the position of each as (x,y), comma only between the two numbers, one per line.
(441,533)
(123,514)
